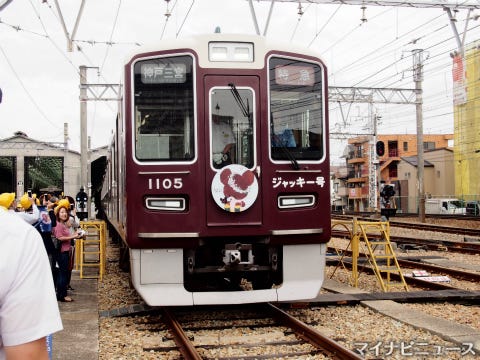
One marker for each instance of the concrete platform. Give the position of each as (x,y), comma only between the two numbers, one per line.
(79,338)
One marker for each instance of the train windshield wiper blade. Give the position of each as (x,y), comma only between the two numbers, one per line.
(290,156)
(245,108)
(284,148)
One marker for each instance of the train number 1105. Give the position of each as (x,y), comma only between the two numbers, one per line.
(165,184)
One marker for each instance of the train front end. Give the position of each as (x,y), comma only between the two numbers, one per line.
(226,172)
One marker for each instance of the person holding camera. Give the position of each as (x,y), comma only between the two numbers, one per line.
(30,213)
(64,233)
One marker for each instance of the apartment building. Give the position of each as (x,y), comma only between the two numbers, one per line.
(360,156)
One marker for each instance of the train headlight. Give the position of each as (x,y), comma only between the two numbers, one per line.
(168,204)
(295,201)
(230,51)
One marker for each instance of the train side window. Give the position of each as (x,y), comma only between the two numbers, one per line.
(231,126)
(296,110)
(164,109)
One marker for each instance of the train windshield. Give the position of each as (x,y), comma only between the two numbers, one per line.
(163,109)
(232,127)
(296,110)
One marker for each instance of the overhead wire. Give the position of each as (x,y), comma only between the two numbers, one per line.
(325,25)
(362,81)
(382,47)
(24,87)
(22,84)
(300,16)
(47,35)
(78,48)
(168,13)
(93,121)
(111,35)
(379,79)
(351,31)
(184,19)
(18,28)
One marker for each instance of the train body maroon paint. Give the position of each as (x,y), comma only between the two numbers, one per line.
(207,219)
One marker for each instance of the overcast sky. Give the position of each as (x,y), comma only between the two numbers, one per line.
(40,78)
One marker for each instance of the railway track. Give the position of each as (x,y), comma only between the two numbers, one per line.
(405,242)
(292,338)
(473,232)
(409,217)
(260,331)
(437,228)
(139,331)
(414,262)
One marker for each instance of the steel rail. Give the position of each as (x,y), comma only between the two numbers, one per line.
(185,346)
(452,246)
(464,275)
(410,280)
(421,226)
(312,336)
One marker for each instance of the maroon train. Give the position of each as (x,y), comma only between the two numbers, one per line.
(218,177)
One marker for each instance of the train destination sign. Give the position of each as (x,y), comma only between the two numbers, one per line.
(295,75)
(160,73)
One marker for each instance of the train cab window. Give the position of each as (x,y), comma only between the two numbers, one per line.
(296,110)
(231,126)
(164,109)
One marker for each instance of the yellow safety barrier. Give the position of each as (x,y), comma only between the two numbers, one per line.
(91,250)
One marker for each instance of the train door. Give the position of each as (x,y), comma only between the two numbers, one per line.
(232,134)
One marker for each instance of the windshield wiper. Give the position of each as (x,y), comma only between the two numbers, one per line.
(236,95)
(281,144)
(289,154)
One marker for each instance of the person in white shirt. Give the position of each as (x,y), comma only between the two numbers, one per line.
(28,305)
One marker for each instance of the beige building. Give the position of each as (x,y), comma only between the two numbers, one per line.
(338,186)
(438,178)
(27,163)
(360,157)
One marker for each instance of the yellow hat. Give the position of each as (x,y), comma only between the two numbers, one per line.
(6,199)
(62,203)
(25,202)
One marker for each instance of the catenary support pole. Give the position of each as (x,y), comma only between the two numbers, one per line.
(417,55)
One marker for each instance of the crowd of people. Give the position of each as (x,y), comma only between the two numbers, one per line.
(33,276)
(56,220)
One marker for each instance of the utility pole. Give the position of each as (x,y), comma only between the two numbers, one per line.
(372,169)
(417,55)
(107,92)
(84,166)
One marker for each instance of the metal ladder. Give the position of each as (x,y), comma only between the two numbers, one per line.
(92,250)
(381,251)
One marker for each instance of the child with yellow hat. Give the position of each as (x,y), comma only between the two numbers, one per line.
(8,202)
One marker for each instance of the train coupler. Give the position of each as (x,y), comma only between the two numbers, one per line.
(238,254)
